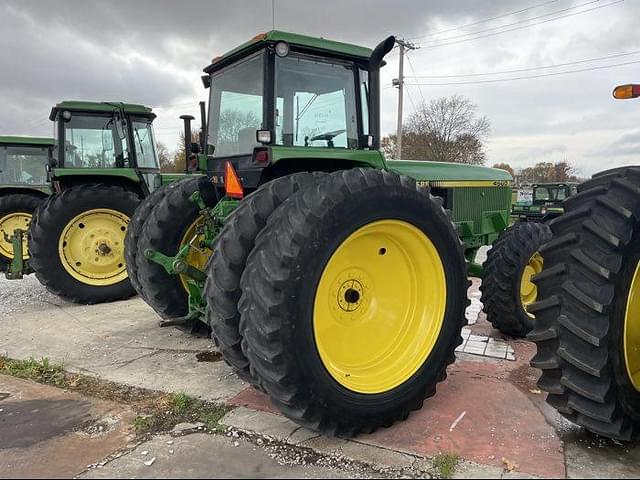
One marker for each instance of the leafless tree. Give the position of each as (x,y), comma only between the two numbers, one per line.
(446,129)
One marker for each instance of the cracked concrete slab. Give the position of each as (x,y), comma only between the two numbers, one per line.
(52,433)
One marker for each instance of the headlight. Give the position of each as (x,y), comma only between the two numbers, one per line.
(543,211)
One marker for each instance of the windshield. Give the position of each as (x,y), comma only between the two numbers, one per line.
(144,143)
(95,142)
(23,165)
(316,105)
(236,107)
(549,194)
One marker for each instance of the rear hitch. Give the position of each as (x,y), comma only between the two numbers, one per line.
(18,267)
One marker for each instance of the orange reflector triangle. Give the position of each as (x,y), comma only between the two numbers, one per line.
(232,185)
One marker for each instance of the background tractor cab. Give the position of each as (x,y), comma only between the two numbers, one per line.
(546,201)
(105,142)
(23,186)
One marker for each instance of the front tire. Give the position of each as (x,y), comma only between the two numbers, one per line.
(587,332)
(353,301)
(77,243)
(506,287)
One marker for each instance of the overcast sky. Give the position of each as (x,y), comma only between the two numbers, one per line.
(153,52)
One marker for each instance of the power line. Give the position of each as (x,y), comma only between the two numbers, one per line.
(525,26)
(520,70)
(414,76)
(519,22)
(604,67)
(486,20)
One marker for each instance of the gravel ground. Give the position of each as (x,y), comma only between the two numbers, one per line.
(18,295)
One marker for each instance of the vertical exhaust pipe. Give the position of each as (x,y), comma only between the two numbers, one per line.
(203,128)
(187,119)
(375,63)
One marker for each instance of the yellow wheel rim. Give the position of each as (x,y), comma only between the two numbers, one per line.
(197,256)
(528,290)
(91,247)
(632,331)
(379,306)
(9,224)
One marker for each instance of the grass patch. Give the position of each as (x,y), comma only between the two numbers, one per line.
(445,464)
(157,411)
(41,371)
(178,408)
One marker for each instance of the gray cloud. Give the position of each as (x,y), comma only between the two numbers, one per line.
(152,52)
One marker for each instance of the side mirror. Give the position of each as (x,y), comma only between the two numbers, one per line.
(195,148)
(120,123)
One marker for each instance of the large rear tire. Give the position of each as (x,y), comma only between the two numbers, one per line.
(16,212)
(134,232)
(506,287)
(77,243)
(234,244)
(587,331)
(172,223)
(353,301)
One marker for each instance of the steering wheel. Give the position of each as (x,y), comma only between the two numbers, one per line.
(328,137)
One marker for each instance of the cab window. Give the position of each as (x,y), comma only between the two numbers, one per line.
(315,103)
(95,142)
(23,165)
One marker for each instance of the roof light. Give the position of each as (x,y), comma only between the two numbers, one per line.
(624,92)
(232,185)
(282,49)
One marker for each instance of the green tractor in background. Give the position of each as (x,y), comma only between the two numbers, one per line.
(546,201)
(332,279)
(23,186)
(103,163)
(588,311)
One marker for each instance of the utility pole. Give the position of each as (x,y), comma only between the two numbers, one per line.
(399,82)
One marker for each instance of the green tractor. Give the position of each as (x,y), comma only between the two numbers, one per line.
(23,186)
(588,311)
(546,201)
(332,279)
(103,164)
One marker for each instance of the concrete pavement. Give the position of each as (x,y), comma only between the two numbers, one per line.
(489,411)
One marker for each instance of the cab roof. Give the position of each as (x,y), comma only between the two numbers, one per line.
(26,141)
(101,107)
(319,44)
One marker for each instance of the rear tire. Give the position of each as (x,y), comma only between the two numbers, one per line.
(164,231)
(61,266)
(511,257)
(16,211)
(282,320)
(234,244)
(134,232)
(584,291)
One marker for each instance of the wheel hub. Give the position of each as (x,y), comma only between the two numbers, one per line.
(528,290)
(92,247)
(632,331)
(9,224)
(379,306)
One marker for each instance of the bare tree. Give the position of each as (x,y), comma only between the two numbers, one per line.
(549,172)
(166,162)
(504,166)
(446,129)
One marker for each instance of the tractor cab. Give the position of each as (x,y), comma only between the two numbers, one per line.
(281,97)
(23,162)
(104,139)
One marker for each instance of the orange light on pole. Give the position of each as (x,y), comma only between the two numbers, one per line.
(625,92)
(232,184)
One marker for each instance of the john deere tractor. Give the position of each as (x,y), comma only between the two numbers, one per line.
(332,279)
(546,201)
(23,186)
(588,311)
(103,163)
